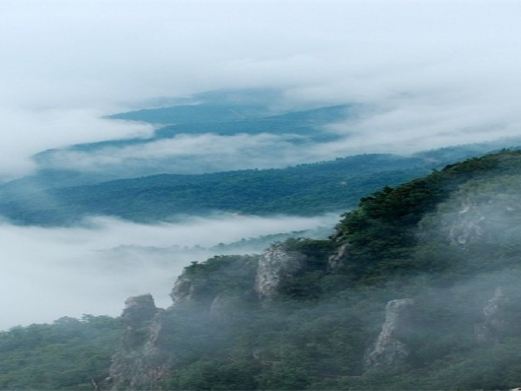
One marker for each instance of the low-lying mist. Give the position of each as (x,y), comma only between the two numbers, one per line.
(53,272)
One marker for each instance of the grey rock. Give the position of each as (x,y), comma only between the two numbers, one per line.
(139,364)
(276,265)
(224,307)
(184,289)
(493,324)
(139,310)
(389,350)
(468,227)
(337,259)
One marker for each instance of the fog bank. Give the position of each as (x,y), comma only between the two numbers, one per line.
(48,273)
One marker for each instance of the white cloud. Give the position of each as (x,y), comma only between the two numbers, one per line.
(52,272)
(26,132)
(188,154)
(436,72)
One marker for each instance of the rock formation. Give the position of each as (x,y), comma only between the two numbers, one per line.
(224,307)
(183,290)
(142,360)
(389,350)
(138,364)
(276,265)
(337,259)
(493,324)
(468,227)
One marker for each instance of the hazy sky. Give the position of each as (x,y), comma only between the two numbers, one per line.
(435,72)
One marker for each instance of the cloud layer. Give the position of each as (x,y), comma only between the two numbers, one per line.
(52,272)
(435,72)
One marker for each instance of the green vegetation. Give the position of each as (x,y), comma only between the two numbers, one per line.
(317,332)
(382,231)
(69,354)
(302,190)
(448,240)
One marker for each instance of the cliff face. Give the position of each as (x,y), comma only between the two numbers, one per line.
(494,323)
(389,350)
(276,265)
(336,259)
(185,289)
(139,363)
(480,214)
(468,227)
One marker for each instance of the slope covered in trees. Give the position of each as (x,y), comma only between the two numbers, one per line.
(68,354)
(302,190)
(417,289)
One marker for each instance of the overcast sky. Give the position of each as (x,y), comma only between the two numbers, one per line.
(437,73)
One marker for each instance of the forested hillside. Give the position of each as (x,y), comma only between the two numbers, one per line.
(68,354)
(417,289)
(302,190)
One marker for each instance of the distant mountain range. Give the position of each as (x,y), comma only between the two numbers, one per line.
(306,189)
(302,190)
(225,113)
(115,178)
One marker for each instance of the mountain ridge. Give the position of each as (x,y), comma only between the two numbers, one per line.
(394,313)
(303,190)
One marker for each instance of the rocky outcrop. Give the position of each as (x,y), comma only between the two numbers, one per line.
(139,310)
(143,361)
(336,260)
(389,350)
(139,363)
(201,283)
(473,219)
(224,307)
(183,290)
(493,325)
(468,226)
(276,265)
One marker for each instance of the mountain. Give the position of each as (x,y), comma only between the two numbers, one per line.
(209,106)
(193,135)
(152,179)
(242,114)
(418,288)
(301,190)
(302,123)
(54,198)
